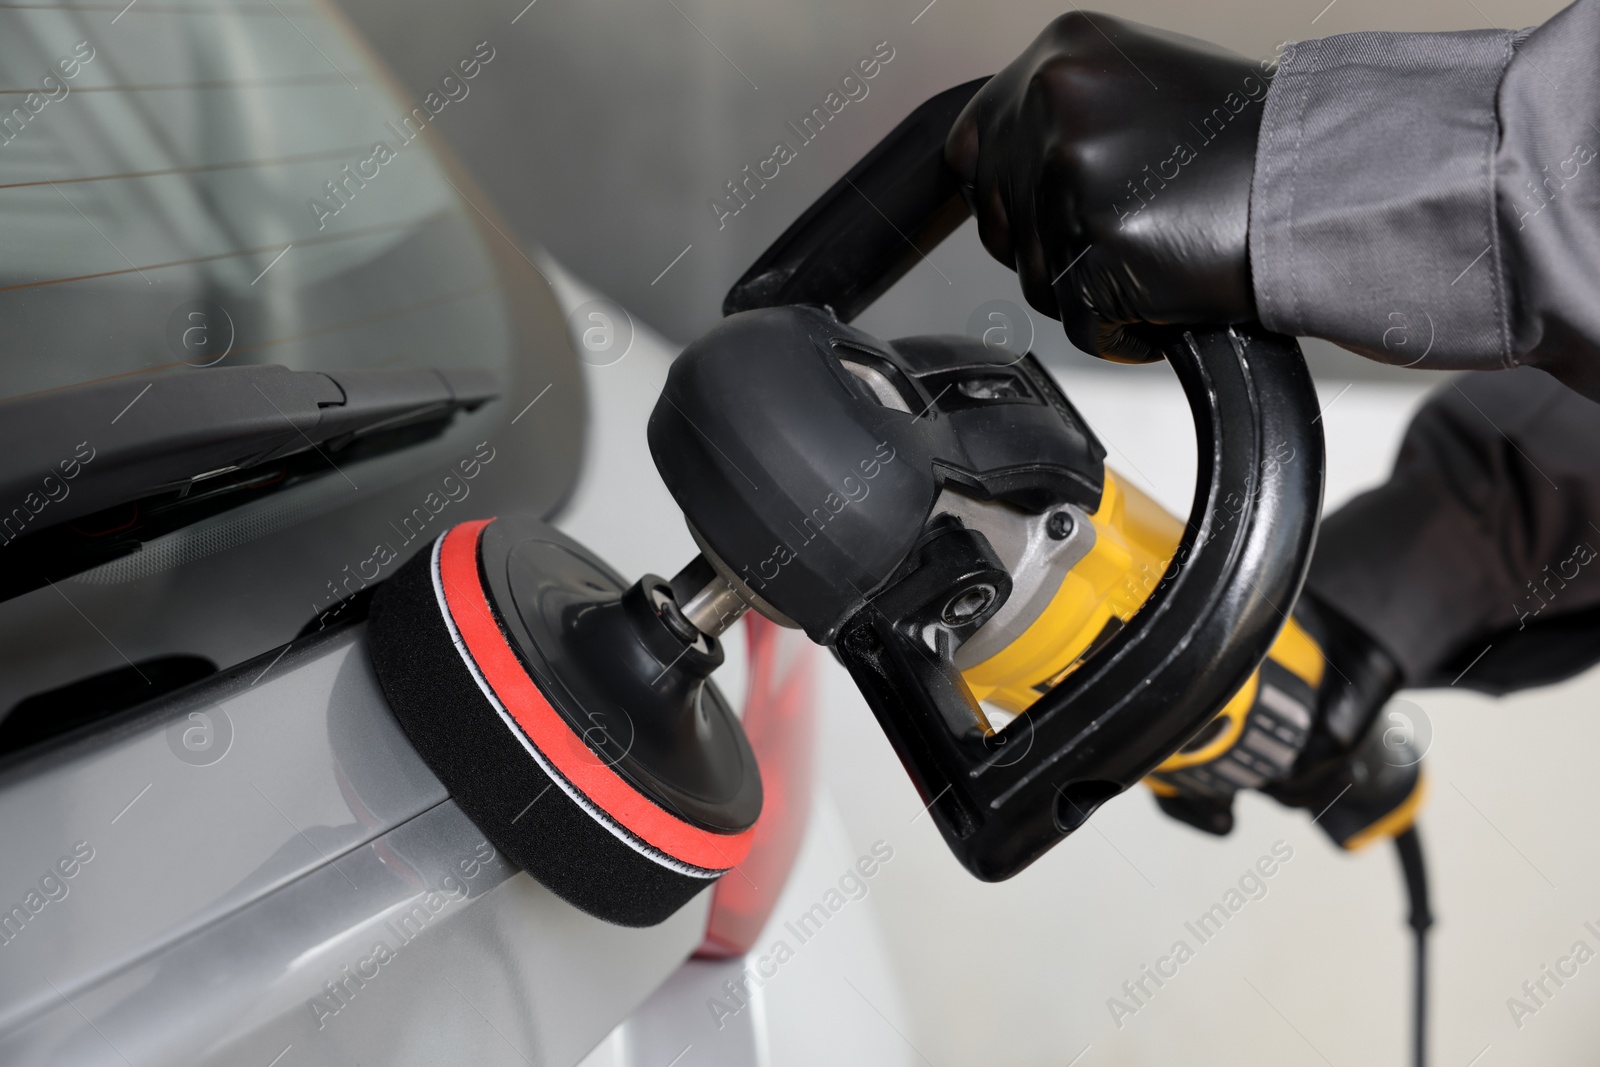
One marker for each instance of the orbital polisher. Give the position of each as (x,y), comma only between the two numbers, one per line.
(1033,633)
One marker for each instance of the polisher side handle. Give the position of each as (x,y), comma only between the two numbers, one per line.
(872,226)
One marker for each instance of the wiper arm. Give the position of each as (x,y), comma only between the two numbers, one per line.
(78,451)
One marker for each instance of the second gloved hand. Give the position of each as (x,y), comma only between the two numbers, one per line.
(1110,165)
(1305,731)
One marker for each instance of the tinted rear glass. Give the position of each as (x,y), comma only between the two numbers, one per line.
(216,184)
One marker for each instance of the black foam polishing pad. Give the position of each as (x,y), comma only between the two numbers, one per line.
(565,716)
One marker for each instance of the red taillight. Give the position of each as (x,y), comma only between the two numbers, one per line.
(780,722)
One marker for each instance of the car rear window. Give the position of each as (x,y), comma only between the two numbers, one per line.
(189,184)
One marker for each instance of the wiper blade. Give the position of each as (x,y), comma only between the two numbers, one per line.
(80,451)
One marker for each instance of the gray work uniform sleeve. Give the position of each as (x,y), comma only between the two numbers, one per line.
(1433,199)
(1478,561)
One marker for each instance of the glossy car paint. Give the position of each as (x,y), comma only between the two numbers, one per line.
(228,886)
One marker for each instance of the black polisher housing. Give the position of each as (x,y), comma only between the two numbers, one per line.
(570,722)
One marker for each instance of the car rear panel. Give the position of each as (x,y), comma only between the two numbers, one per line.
(264,864)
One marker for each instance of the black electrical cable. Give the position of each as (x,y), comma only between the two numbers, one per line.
(1409,847)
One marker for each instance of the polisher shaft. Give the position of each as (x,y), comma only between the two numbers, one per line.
(706,599)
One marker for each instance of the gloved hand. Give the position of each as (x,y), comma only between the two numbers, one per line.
(1110,165)
(1306,732)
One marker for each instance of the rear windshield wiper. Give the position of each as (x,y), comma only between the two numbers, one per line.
(89,472)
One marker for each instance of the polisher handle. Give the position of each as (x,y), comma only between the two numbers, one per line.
(873,225)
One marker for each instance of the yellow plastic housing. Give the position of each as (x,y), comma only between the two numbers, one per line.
(1134,539)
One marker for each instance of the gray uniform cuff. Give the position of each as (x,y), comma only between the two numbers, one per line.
(1372,214)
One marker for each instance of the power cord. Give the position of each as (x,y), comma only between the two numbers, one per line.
(1409,847)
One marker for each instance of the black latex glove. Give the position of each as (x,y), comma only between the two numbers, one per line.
(1110,165)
